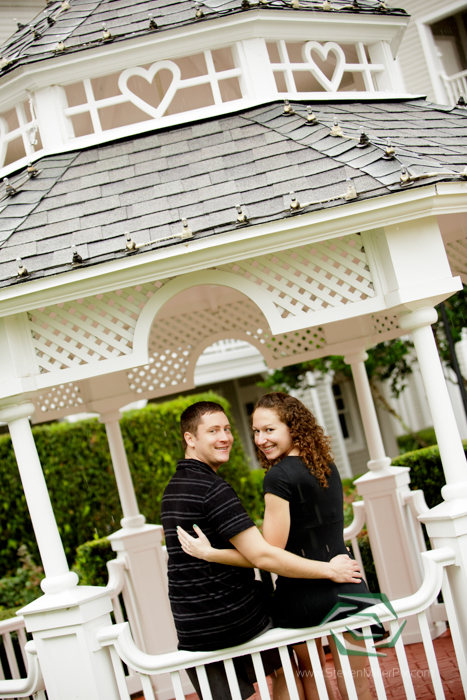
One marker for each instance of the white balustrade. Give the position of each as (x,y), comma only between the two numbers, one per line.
(123,649)
(354,529)
(32,685)
(14,625)
(455,85)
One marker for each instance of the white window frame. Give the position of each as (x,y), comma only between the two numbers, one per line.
(356,440)
(429,46)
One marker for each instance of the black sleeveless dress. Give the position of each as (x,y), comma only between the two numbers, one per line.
(316,527)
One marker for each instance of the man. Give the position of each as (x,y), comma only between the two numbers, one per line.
(216,606)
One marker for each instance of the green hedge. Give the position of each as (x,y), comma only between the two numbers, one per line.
(407,443)
(426,472)
(78,470)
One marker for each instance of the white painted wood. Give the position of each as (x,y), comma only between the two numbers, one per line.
(260,676)
(55,129)
(431,657)
(403,663)
(232,679)
(177,685)
(378,459)
(203,683)
(317,670)
(288,673)
(58,575)
(346,668)
(131,515)
(384,79)
(449,442)
(375,668)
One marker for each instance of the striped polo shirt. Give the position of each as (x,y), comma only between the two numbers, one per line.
(213,606)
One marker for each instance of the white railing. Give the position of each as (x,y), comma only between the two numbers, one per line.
(415,505)
(119,587)
(455,85)
(122,647)
(33,685)
(354,529)
(7,628)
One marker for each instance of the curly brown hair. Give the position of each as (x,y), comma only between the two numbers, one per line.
(308,437)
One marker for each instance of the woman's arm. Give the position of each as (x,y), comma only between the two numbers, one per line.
(262,555)
(201,548)
(276,525)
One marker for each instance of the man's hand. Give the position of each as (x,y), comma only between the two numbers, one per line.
(199,547)
(345,569)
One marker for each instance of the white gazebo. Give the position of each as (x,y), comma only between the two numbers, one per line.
(178,174)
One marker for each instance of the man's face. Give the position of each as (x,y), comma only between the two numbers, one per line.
(212,442)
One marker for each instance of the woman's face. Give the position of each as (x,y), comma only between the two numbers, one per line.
(272,436)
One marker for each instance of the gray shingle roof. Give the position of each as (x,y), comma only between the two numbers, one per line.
(80,26)
(90,198)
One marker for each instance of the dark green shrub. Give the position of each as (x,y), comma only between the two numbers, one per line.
(77,466)
(23,587)
(91,562)
(426,472)
(407,443)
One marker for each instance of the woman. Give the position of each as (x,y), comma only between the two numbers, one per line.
(304,515)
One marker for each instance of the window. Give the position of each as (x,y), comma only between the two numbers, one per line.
(349,415)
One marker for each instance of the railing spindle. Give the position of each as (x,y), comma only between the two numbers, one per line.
(260,675)
(204,683)
(375,669)
(177,685)
(10,654)
(403,663)
(431,657)
(147,687)
(317,669)
(346,669)
(233,680)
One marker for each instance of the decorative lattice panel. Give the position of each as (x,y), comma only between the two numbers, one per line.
(173,341)
(59,398)
(313,277)
(88,330)
(385,323)
(457,256)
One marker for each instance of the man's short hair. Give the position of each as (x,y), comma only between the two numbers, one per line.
(191,417)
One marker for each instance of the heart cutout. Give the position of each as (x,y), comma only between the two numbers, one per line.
(149,75)
(323,52)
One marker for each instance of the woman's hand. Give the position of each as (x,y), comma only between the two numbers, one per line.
(345,569)
(199,547)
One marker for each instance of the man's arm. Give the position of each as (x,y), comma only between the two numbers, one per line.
(200,548)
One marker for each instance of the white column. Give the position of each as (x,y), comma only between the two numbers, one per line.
(446,523)
(395,550)
(444,421)
(140,546)
(63,621)
(131,515)
(378,459)
(58,576)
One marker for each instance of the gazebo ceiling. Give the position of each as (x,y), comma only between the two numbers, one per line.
(80,25)
(146,185)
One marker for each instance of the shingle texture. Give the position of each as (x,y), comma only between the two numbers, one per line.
(80,26)
(91,198)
